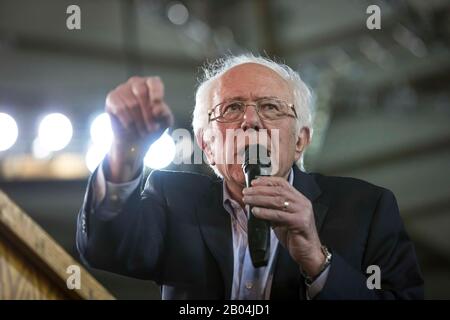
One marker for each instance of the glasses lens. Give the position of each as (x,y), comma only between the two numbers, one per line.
(232,110)
(269,109)
(272,109)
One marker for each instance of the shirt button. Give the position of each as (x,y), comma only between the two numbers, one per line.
(249,285)
(114,197)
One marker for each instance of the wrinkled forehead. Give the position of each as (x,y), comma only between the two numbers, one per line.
(250,81)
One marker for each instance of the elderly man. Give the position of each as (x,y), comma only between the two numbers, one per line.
(188,232)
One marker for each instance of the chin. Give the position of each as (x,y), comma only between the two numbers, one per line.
(237,175)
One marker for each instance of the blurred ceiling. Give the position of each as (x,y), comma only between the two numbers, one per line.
(382,96)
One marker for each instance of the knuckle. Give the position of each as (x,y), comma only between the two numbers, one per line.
(134,79)
(155,84)
(302,220)
(154,79)
(279,190)
(138,89)
(121,87)
(108,100)
(308,205)
(150,81)
(111,99)
(122,90)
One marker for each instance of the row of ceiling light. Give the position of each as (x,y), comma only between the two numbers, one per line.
(55,133)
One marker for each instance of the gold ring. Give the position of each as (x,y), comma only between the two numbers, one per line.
(285,205)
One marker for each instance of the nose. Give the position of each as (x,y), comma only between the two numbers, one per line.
(251,119)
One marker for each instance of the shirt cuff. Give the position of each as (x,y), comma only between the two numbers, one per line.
(109,197)
(317,285)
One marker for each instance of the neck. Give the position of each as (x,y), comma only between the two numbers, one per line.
(235,191)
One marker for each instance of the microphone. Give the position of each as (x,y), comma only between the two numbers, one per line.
(257,163)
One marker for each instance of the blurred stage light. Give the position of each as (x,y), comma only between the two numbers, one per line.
(55,132)
(177,13)
(161,153)
(39,151)
(95,155)
(8,131)
(101,131)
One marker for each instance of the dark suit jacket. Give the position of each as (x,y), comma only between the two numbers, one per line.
(178,234)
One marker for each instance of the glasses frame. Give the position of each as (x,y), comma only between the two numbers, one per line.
(220,119)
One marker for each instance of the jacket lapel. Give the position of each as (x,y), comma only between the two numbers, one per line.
(287,282)
(215,226)
(306,184)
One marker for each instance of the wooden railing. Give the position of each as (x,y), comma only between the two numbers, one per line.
(34,266)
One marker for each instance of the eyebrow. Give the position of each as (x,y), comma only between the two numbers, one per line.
(242,98)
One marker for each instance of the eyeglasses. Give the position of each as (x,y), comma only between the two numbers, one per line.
(267,109)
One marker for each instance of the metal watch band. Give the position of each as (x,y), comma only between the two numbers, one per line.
(309,280)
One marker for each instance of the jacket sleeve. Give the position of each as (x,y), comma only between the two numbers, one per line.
(388,247)
(130,242)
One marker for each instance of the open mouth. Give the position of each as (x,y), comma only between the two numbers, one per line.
(252,137)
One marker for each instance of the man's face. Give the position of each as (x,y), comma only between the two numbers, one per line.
(250,82)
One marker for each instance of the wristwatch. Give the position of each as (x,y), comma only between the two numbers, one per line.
(309,280)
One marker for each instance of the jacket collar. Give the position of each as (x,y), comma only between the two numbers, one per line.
(307,185)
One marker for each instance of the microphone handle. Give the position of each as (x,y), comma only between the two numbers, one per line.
(258,240)
(258,229)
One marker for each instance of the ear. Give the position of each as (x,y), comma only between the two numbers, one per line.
(205,146)
(303,140)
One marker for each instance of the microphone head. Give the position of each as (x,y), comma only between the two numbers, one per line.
(256,154)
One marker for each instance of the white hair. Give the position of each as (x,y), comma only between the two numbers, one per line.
(212,71)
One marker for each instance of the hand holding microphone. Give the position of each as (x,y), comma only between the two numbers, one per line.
(276,202)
